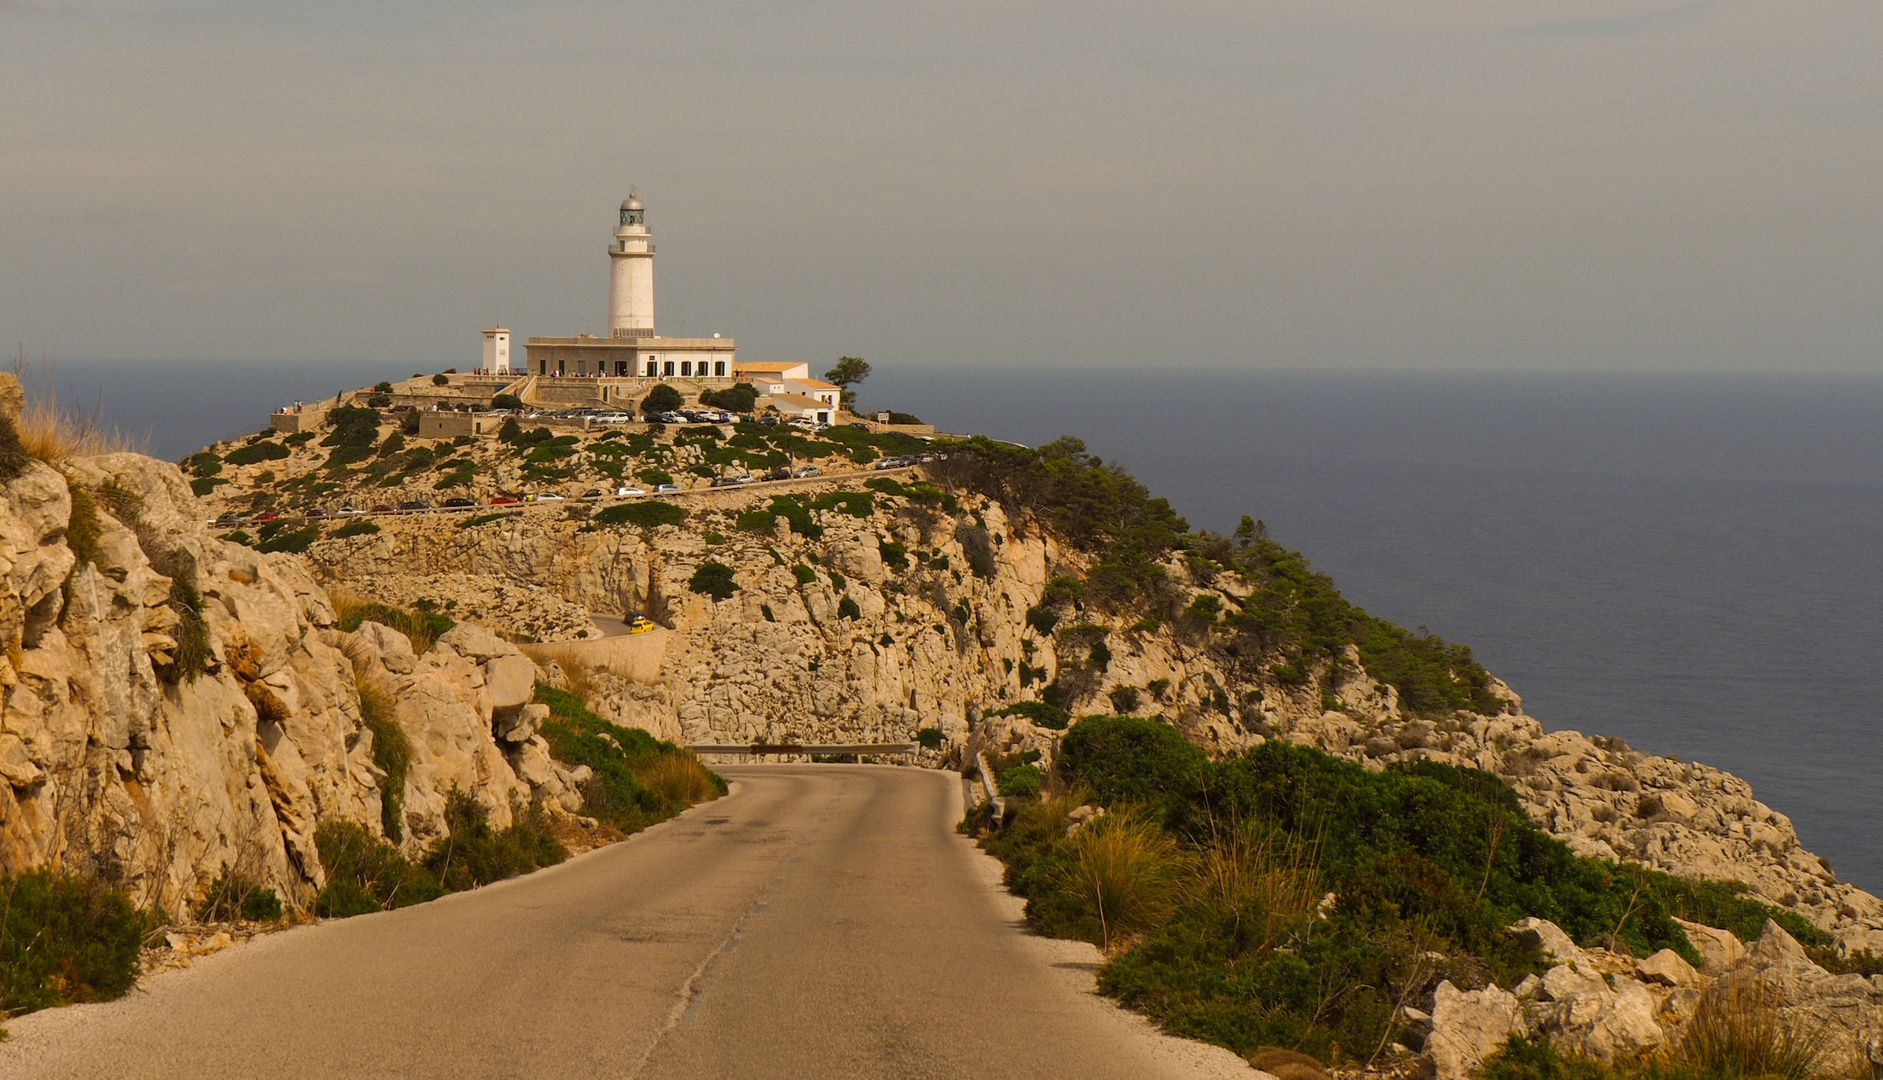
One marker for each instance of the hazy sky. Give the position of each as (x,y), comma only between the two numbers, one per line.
(1348,183)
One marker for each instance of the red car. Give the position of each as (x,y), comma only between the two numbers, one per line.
(503,500)
(265,515)
(382,508)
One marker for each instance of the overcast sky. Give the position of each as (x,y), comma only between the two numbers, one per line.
(1588,185)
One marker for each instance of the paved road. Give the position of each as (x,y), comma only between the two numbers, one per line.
(822,921)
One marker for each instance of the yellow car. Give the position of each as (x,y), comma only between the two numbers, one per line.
(641,625)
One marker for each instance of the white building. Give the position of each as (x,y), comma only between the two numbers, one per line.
(631,275)
(497,351)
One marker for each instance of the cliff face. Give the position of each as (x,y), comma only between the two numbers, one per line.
(931,643)
(171,704)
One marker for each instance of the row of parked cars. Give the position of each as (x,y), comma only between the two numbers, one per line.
(412,506)
(693,416)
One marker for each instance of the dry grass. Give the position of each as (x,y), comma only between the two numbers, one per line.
(1129,874)
(53,434)
(578,671)
(679,778)
(351,608)
(1738,1032)
(1267,886)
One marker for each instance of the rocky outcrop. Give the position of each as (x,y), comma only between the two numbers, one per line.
(172,704)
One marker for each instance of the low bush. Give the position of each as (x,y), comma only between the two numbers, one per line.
(485,519)
(295,541)
(65,939)
(420,628)
(366,874)
(355,528)
(647,514)
(930,738)
(713,579)
(506,401)
(662,398)
(847,608)
(739,398)
(1022,780)
(257,452)
(234,896)
(1040,712)
(474,853)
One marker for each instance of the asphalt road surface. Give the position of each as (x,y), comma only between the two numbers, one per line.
(821,921)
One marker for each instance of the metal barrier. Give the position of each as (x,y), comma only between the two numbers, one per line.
(822,749)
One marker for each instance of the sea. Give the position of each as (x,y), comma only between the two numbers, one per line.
(1693,563)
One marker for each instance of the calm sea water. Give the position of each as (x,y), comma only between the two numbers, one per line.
(1690,562)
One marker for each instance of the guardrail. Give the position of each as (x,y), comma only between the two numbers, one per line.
(762,749)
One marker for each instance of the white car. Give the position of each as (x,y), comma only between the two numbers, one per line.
(666,489)
(631,491)
(546,496)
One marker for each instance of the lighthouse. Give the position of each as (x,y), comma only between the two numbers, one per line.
(631,277)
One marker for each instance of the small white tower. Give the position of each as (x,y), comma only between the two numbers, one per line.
(631,281)
(497,351)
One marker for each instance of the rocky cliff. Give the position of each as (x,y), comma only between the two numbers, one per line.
(174,704)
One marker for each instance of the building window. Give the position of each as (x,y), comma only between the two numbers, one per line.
(686,367)
(667,368)
(652,369)
(719,368)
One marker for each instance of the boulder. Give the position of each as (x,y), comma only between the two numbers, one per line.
(1719,950)
(1546,936)
(1669,969)
(510,680)
(1626,1027)
(1468,1027)
(474,641)
(521,724)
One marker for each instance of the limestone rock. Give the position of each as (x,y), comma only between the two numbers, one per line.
(523,724)
(1720,950)
(1667,967)
(1469,1026)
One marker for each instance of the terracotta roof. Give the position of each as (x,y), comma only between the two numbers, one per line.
(770,365)
(817,383)
(799,401)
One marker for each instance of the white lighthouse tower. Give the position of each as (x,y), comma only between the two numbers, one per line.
(631,281)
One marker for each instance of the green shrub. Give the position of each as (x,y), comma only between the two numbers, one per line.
(296,541)
(1042,620)
(930,738)
(739,398)
(655,477)
(420,628)
(1022,780)
(392,753)
(65,939)
(233,896)
(662,398)
(1041,713)
(13,455)
(1122,759)
(895,555)
(355,528)
(474,853)
(789,507)
(857,504)
(648,514)
(441,379)
(83,530)
(638,780)
(804,574)
(257,452)
(383,386)
(848,609)
(204,485)
(506,401)
(713,579)
(366,874)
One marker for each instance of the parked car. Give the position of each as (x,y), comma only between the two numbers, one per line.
(594,493)
(630,491)
(808,470)
(782,472)
(415,504)
(504,500)
(316,512)
(349,511)
(543,496)
(666,489)
(460,503)
(266,515)
(229,519)
(383,508)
